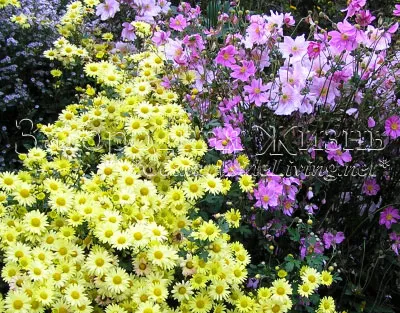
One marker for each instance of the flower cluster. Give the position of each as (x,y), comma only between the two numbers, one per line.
(104,215)
(197,150)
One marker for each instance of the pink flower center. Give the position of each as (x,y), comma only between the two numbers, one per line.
(257,90)
(389,217)
(265,198)
(243,69)
(394,126)
(339,153)
(345,37)
(226,56)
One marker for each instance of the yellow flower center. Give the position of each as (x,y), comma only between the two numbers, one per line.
(18,304)
(35,222)
(280,291)
(117,280)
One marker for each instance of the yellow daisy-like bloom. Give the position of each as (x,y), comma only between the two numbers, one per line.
(218,290)
(208,231)
(326,305)
(182,291)
(163,256)
(17,302)
(246,183)
(326,278)
(9,271)
(233,218)
(117,280)
(9,181)
(239,273)
(311,275)
(201,303)
(24,194)
(212,184)
(306,289)
(45,295)
(198,281)
(92,69)
(282,273)
(281,289)
(61,201)
(35,222)
(75,295)
(245,304)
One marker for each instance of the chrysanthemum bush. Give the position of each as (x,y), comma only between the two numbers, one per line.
(104,215)
(166,188)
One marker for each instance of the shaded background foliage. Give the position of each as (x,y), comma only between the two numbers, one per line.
(27,89)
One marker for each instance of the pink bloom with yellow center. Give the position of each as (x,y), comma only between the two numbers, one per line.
(389,216)
(335,152)
(392,127)
(313,49)
(256,92)
(226,56)
(370,187)
(226,139)
(178,23)
(345,38)
(244,71)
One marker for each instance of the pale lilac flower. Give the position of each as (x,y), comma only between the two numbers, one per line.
(396,11)
(266,197)
(324,91)
(164,6)
(332,240)
(260,57)
(252,283)
(107,9)
(128,31)
(293,49)
(257,32)
(393,236)
(306,247)
(377,39)
(288,19)
(288,207)
(289,100)
(174,51)
(371,122)
(160,37)
(310,208)
(389,216)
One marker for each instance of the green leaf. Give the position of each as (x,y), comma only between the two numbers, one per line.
(294,234)
(289,267)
